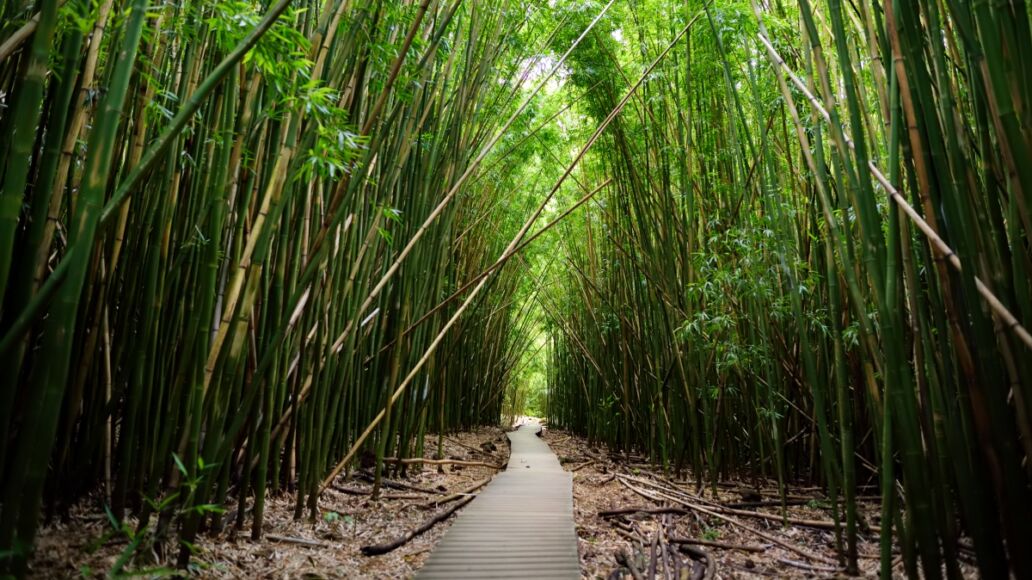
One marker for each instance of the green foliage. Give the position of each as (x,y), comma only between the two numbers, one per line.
(746,277)
(270,213)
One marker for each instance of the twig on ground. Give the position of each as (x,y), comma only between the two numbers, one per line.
(299,541)
(378,549)
(768,503)
(350,490)
(675,557)
(728,519)
(640,509)
(621,526)
(818,524)
(629,535)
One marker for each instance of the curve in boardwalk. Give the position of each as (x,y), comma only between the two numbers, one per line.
(520,526)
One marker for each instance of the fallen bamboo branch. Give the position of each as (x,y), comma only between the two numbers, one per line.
(378,549)
(621,526)
(729,520)
(455,496)
(461,444)
(666,551)
(677,567)
(768,503)
(654,554)
(629,535)
(369,492)
(635,510)
(582,466)
(351,490)
(417,461)
(817,524)
(790,499)
(721,545)
(703,555)
(401,485)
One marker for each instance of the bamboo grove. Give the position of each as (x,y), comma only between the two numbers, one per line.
(813,264)
(246,247)
(232,238)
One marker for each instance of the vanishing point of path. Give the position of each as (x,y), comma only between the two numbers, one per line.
(520,526)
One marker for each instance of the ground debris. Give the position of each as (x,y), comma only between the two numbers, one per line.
(625,525)
(82,545)
(621,533)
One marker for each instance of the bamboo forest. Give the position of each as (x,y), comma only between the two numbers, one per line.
(284,284)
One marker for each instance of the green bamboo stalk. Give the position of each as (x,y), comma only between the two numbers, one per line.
(23,492)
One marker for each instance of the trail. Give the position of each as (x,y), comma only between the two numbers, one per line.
(520,526)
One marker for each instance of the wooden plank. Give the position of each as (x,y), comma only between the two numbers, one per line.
(520,526)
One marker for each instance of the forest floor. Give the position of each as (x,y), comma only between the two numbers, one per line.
(82,545)
(733,534)
(741,536)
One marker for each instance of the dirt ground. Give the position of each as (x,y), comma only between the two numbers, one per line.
(611,545)
(737,541)
(332,544)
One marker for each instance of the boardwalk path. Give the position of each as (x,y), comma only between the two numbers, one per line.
(520,526)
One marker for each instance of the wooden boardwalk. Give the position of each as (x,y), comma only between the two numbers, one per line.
(520,526)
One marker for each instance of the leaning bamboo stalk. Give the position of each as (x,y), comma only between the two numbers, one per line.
(658,495)
(147,163)
(305,390)
(999,309)
(512,244)
(470,169)
(357,445)
(19,36)
(487,272)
